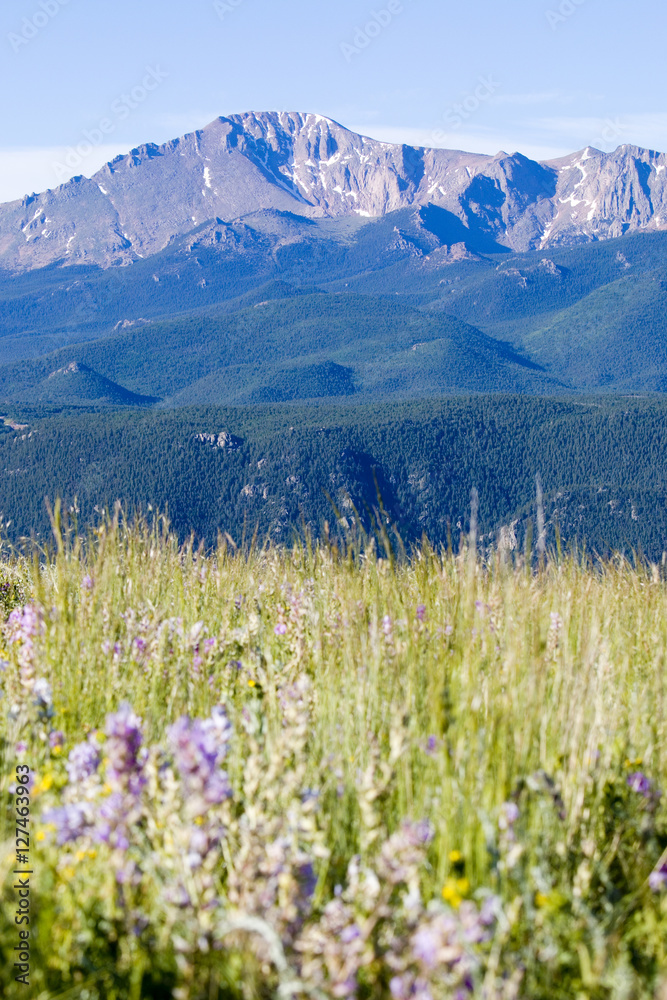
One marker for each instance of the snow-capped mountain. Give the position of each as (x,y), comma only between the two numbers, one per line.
(310,166)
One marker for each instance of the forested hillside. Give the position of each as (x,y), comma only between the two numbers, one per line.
(275,470)
(409,304)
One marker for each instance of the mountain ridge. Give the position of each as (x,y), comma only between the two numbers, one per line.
(313,168)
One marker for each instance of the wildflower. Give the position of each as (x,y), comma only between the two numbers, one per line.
(56,739)
(639,783)
(490,910)
(404,851)
(200,746)
(24,623)
(400,987)
(509,814)
(123,730)
(657,880)
(387,625)
(451,891)
(70,822)
(350,933)
(111,826)
(83,761)
(421,612)
(455,857)
(437,942)
(21,747)
(87,583)
(280,628)
(432,746)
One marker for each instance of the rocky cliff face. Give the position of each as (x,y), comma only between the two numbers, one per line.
(309,166)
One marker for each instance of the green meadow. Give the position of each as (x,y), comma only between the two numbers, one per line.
(311,771)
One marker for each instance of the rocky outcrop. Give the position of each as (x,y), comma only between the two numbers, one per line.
(223,440)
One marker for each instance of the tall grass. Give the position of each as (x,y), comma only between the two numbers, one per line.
(522,713)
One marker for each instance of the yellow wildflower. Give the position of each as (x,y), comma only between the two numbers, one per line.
(455,857)
(450,893)
(44,785)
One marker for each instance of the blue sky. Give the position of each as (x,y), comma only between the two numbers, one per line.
(544,77)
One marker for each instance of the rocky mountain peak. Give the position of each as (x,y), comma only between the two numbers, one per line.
(312,167)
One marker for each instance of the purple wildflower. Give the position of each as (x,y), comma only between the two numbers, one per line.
(56,739)
(509,814)
(124,734)
(83,761)
(280,628)
(657,880)
(420,834)
(200,746)
(87,583)
(400,987)
(489,910)
(426,945)
(432,745)
(307,879)
(24,623)
(421,612)
(209,644)
(111,822)
(21,747)
(639,783)
(70,822)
